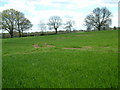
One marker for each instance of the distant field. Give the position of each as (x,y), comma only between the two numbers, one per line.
(73,60)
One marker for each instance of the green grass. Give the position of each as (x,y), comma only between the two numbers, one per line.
(94,65)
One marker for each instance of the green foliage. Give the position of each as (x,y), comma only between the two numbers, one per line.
(94,65)
(14,20)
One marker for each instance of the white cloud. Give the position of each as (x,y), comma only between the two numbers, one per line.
(115,19)
(69,8)
(110,1)
(43,15)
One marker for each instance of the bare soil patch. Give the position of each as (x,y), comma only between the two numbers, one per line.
(47,45)
(105,47)
(36,46)
(71,48)
(44,45)
(50,46)
(83,48)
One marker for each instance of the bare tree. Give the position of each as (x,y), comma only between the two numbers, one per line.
(42,26)
(54,22)
(99,18)
(89,27)
(25,25)
(69,24)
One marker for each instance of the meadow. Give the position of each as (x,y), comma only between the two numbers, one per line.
(72,60)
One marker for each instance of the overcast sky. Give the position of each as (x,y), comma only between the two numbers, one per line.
(36,10)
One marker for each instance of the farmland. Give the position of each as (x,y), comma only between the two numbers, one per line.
(72,60)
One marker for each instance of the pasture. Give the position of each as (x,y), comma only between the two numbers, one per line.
(73,60)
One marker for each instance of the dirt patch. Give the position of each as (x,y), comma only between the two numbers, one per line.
(50,46)
(87,47)
(66,38)
(44,45)
(105,47)
(47,45)
(71,48)
(36,46)
(83,48)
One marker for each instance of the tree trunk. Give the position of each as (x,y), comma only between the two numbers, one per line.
(22,34)
(11,31)
(70,29)
(56,30)
(19,33)
(99,28)
(11,35)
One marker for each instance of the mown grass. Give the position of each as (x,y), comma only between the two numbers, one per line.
(93,65)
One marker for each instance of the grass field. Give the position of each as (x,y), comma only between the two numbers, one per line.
(73,60)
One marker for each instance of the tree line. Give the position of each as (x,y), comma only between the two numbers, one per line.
(13,20)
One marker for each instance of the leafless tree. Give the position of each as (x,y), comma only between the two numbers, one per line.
(25,25)
(42,26)
(55,22)
(99,18)
(69,24)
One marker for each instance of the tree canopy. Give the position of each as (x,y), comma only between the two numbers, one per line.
(99,19)
(69,24)
(14,20)
(55,22)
